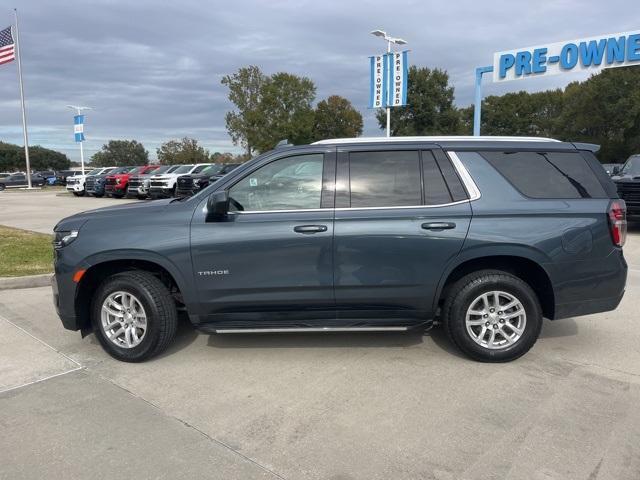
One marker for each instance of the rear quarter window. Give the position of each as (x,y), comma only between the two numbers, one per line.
(547,174)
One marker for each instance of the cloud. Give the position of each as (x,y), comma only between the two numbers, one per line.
(151,69)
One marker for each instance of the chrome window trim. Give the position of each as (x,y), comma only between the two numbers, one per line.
(465,176)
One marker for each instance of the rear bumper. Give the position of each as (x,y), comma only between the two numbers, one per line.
(587,287)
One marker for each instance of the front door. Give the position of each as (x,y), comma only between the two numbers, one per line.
(271,259)
(401,215)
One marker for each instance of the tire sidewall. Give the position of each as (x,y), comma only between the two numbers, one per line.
(495,282)
(151,338)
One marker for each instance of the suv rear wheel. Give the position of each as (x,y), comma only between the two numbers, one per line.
(134,316)
(492,316)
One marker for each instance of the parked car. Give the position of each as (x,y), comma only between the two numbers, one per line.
(48,175)
(612,168)
(188,185)
(228,167)
(116,183)
(76,183)
(61,176)
(484,236)
(139,184)
(18,180)
(165,184)
(95,184)
(627,181)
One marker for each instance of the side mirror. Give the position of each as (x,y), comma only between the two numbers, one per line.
(615,170)
(217,206)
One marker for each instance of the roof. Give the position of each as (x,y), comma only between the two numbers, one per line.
(433,139)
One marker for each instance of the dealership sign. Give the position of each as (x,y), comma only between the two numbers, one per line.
(593,53)
(388,82)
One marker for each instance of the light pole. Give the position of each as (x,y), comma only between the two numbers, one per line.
(398,41)
(79,110)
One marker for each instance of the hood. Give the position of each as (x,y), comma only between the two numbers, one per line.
(626,178)
(74,222)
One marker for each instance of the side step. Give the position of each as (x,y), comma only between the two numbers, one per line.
(312,329)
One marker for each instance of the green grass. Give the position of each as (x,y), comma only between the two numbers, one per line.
(24,253)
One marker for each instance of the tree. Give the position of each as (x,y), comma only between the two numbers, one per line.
(430,109)
(605,109)
(286,110)
(335,117)
(120,153)
(182,152)
(519,113)
(245,91)
(269,109)
(40,158)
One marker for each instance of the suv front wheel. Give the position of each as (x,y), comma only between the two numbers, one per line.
(134,316)
(492,316)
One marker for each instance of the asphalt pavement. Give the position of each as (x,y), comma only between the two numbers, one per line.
(321,406)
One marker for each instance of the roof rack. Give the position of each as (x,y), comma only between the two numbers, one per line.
(434,139)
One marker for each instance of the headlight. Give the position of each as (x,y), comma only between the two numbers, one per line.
(64,238)
(196,181)
(146,183)
(118,181)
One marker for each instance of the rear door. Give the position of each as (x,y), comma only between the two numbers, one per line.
(402,214)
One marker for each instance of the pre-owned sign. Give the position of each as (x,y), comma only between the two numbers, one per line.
(605,51)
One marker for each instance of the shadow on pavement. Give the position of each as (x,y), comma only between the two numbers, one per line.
(566,327)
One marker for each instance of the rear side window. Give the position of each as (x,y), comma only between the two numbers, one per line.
(436,191)
(547,174)
(385,179)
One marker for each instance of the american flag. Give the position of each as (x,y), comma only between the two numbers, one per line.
(7,46)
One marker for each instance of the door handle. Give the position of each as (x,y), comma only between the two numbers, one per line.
(310,228)
(438,225)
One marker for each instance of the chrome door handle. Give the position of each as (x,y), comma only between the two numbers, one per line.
(310,229)
(438,225)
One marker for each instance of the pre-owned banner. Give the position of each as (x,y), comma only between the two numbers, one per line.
(398,72)
(378,89)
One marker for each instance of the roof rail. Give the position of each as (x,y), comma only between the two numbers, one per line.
(434,139)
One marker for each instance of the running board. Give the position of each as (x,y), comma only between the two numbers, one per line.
(312,329)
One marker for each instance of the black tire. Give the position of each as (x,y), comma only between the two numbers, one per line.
(159,306)
(98,195)
(466,290)
(79,194)
(2,187)
(141,197)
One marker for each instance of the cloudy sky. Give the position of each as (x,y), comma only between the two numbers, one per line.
(151,69)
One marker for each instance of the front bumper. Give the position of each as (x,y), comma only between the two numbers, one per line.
(64,292)
(75,187)
(139,191)
(115,189)
(160,192)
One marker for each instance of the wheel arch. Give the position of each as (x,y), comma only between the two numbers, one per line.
(107,264)
(524,267)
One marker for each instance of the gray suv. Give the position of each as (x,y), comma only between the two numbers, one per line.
(484,236)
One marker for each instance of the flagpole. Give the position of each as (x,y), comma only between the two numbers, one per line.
(24,113)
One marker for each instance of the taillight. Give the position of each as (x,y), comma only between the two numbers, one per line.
(618,222)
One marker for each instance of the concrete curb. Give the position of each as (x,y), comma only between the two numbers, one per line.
(31,281)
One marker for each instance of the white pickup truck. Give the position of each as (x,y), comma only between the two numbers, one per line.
(75,183)
(164,184)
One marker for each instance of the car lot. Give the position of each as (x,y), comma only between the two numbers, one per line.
(339,406)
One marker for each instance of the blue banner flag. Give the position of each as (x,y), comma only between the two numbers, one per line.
(378,87)
(78,127)
(397,84)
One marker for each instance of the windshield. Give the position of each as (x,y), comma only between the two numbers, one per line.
(183,169)
(228,167)
(95,171)
(120,170)
(212,170)
(632,167)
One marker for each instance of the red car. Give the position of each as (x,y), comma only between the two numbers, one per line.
(116,185)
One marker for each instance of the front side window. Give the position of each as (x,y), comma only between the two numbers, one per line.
(385,179)
(292,183)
